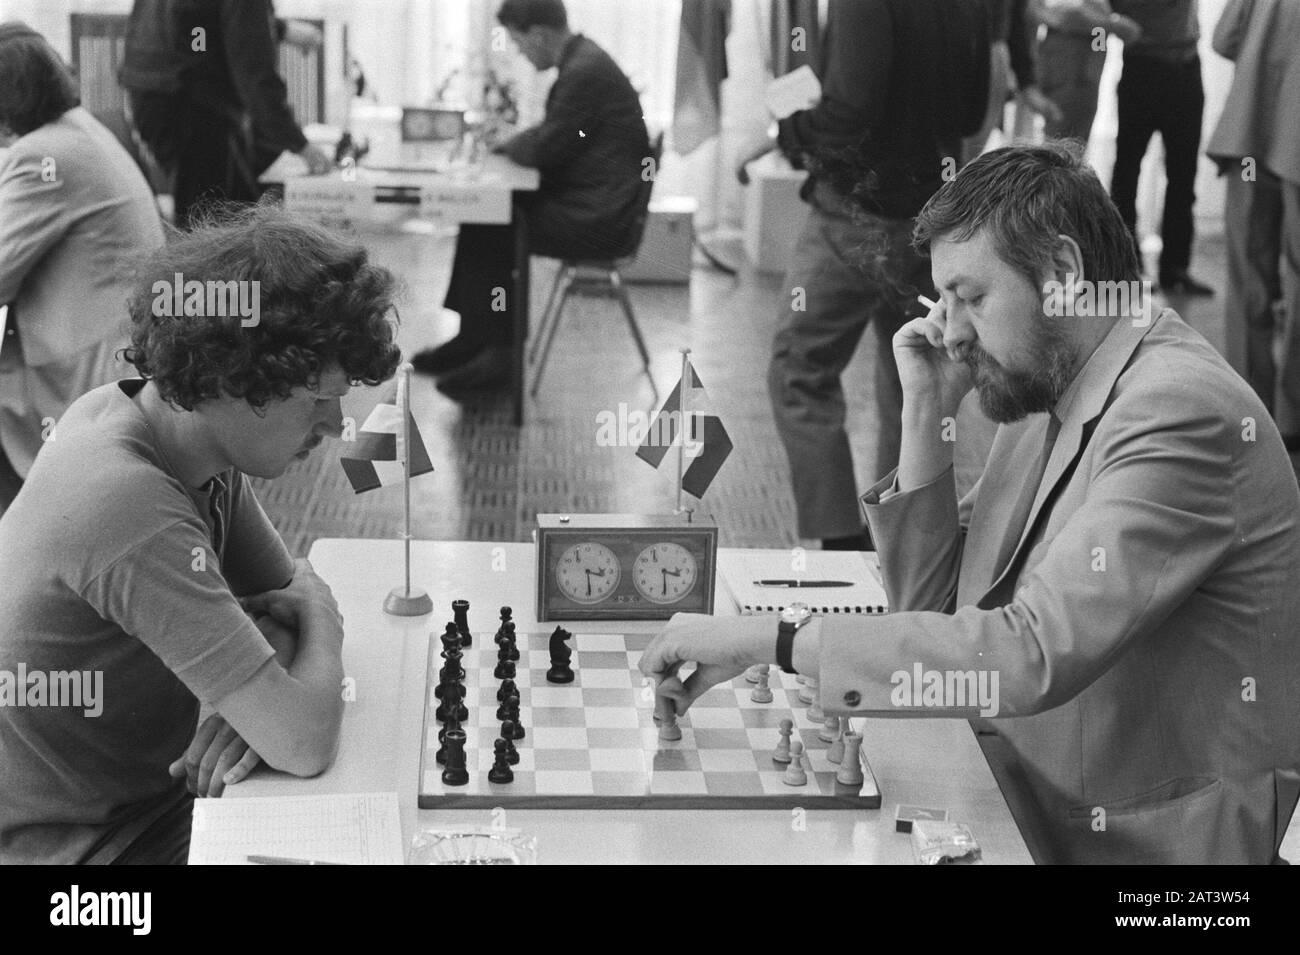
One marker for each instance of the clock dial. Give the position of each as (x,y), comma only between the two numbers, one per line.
(587,573)
(664,573)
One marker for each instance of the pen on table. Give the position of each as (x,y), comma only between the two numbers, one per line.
(803,583)
(285,860)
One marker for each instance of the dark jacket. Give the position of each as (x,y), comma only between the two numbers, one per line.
(234,75)
(590,148)
(903,82)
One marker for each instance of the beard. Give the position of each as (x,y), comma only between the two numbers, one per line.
(1007,395)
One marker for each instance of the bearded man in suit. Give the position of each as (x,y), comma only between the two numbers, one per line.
(1125,567)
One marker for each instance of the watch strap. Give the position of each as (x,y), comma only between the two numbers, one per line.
(785,646)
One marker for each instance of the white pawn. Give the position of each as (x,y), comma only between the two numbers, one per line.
(835,752)
(668,728)
(830,730)
(850,771)
(762,693)
(808,692)
(751,675)
(782,752)
(794,774)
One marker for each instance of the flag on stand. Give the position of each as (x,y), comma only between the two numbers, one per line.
(704,440)
(378,459)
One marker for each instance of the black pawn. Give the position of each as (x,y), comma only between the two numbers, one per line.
(501,771)
(508,737)
(509,708)
(507,670)
(512,717)
(506,614)
(505,632)
(460,610)
(454,772)
(507,688)
(503,661)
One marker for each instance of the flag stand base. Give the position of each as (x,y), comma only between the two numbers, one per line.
(403,603)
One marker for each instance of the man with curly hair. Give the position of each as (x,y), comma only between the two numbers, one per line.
(137,558)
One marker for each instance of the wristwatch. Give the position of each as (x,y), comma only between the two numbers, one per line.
(793,618)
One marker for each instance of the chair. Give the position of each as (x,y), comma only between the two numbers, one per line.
(598,278)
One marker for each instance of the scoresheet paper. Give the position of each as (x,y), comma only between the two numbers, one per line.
(351,828)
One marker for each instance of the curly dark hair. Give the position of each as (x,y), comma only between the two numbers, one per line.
(38,86)
(320,301)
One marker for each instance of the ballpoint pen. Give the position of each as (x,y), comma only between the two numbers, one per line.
(803,583)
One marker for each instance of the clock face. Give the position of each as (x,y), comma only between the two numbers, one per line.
(664,573)
(587,572)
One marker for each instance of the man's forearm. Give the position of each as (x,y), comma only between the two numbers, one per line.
(924,454)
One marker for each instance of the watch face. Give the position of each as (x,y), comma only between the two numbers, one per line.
(587,573)
(664,573)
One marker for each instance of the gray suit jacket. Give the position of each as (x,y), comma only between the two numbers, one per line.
(1142,624)
(1259,117)
(74,209)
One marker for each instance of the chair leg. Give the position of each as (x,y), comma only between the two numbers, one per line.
(550,338)
(620,290)
(561,276)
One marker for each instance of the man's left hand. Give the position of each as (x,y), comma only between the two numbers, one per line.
(721,648)
(217,757)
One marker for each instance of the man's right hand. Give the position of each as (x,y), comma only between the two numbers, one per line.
(933,372)
(305,598)
(318,164)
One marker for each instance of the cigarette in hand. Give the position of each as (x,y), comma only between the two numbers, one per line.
(926,302)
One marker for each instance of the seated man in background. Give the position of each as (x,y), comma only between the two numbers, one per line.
(1123,576)
(73,206)
(135,550)
(591,149)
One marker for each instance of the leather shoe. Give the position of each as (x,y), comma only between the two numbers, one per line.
(489,370)
(1180,283)
(447,356)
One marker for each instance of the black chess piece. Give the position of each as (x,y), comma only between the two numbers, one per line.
(441,754)
(507,687)
(451,638)
(508,728)
(560,671)
(460,610)
(505,632)
(511,706)
(507,670)
(454,772)
(506,614)
(503,660)
(501,771)
(510,644)
(451,706)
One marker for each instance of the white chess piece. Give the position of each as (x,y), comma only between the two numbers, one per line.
(835,752)
(668,728)
(850,771)
(830,730)
(808,692)
(762,693)
(794,774)
(751,675)
(782,752)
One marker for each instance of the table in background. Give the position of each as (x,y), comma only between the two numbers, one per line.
(934,763)
(496,182)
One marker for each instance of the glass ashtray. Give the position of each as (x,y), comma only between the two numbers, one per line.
(473,845)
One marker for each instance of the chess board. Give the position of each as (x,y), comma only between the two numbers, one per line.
(593,744)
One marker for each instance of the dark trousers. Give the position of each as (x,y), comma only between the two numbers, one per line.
(481,284)
(849,270)
(1156,96)
(207,154)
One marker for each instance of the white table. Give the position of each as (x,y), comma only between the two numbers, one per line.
(934,763)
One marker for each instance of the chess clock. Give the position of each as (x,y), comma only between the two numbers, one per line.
(624,566)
